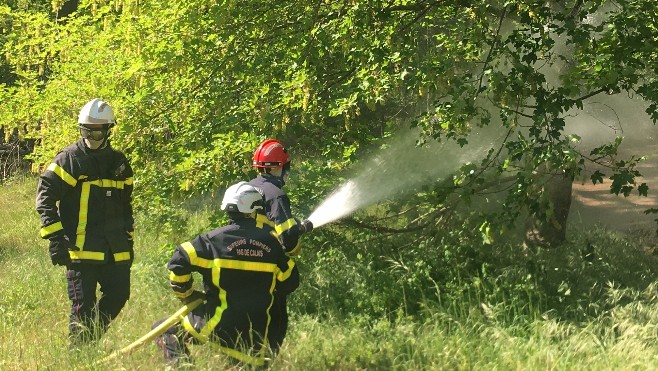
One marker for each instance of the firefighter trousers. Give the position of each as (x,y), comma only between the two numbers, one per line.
(90,318)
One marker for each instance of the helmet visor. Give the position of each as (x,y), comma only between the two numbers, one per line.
(97,134)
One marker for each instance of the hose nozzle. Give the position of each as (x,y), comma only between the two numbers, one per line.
(306,226)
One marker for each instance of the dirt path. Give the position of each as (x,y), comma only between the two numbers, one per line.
(594,204)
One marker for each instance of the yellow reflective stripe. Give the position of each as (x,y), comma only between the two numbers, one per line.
(280,228)
(82,215)
(129,181)
(109,183)
(220,264)
(245,265)
(184,294)
(50,229)
(219,311)
(65,176)
(282,276)
(194,259)
(296,249)
(121,256)
(188,326)
(269,307)
(189,249)
(258,360)
(262,220)
(181,279)
(203,336)
(214,320)
(87,255)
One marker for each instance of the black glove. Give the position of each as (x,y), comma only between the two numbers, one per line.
(196,294)
(59,250)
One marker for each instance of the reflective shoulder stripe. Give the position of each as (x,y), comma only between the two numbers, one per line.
(65,176)
(262,220)
(191,253)
(245,265)
(194,259)
(129,181)
(180,279)
(280,228)
(121,256)
(87,255)
(50,229)
(282,276)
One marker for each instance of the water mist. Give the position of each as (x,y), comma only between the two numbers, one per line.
(397,169)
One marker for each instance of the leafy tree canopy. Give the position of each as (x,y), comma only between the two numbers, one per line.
(198,84)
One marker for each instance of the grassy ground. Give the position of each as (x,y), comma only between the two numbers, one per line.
(620,335)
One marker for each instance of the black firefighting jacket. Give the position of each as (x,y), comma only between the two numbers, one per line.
(241,264)
(85,195)
(277,207)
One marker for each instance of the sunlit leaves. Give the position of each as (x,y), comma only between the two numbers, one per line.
(326,77)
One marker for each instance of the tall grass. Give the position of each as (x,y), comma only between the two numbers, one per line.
(575,312)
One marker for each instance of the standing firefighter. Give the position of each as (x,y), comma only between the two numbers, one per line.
(241,264)
(84,200)
(273,164)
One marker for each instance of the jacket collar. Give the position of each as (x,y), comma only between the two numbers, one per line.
(277,181)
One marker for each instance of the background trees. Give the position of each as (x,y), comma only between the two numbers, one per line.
(197,84)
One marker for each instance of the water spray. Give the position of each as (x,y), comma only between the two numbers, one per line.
(398,170)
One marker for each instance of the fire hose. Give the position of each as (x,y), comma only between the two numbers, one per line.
(157,331)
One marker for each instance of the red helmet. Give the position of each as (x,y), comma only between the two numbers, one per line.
(270,153)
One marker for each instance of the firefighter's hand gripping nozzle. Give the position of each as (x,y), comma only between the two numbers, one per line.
(306,226)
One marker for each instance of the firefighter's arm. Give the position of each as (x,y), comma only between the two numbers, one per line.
(54,183)
(181,265)
(128,217)
(285,225)
(180,274)
(287,277)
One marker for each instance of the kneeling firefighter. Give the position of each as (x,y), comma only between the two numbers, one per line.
(241,264)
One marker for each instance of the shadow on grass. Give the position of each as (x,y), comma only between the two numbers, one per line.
(579,277)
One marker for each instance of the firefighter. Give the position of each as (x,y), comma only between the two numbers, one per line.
(241,264)
(273,164)
(84,199)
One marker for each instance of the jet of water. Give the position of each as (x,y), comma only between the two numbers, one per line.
(396,170)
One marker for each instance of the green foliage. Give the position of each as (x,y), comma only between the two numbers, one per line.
(196,84)
(442,301)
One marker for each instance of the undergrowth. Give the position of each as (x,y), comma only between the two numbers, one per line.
(591,304)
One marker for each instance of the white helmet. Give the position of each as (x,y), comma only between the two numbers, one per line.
(242,197)
(96,112)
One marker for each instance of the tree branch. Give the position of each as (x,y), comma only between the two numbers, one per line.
(375,228)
